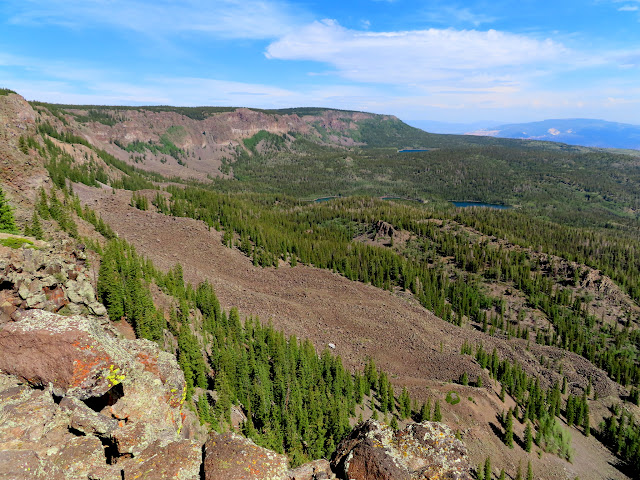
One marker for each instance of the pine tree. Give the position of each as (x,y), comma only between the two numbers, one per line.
(529,471)
(437,415)
(503,475)
(508,434)
(22,145)
(519,472)
(425,411)
(528,437)
(7,223)
(35,229)
(405,404)
(487,469)
(394,423)
(42,206)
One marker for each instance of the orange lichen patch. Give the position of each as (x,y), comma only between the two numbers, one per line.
(84,368)
(150,362)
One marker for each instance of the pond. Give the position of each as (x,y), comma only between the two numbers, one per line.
(324,199)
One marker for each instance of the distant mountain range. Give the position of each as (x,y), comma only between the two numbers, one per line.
(574,131)
(434,126)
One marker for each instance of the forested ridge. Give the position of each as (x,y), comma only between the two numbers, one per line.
(277,228)
(577,212)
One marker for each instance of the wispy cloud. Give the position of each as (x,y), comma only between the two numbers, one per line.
(632,6)
(252,19)
(450,15)
(463,57)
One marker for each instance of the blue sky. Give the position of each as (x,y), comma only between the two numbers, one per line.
(503,61)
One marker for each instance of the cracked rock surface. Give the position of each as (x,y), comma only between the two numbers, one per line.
(76,402)
(428,450)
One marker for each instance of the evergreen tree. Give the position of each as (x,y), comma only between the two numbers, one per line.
(425,411)
(405,404)
(35,229)
(394,423)
(437,415)
(528,437)
(529,471)
(508,434)
(7,223)
(42,205)
(487,468)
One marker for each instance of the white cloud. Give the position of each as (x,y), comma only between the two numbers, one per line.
(464,57)
(254,19)
(448,15)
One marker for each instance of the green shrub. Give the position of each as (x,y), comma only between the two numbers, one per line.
(14,242)
(453,398)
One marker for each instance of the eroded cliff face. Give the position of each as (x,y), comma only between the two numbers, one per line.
(21,174)
(204,143)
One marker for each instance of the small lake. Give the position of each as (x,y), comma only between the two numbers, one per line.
(324,199)
(497,206)
(408,150)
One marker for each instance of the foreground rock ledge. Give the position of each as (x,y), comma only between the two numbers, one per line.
(79,403)
(428,450)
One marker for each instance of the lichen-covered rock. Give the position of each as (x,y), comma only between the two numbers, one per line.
(178,460)
(374,451)
(232,457)
(71,353)
(316,470)
(85,420)
(48,277)
(77,402)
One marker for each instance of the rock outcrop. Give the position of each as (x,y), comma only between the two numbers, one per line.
(374,451)
(232,457)
(77,402)
(316,470)
(47,278)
